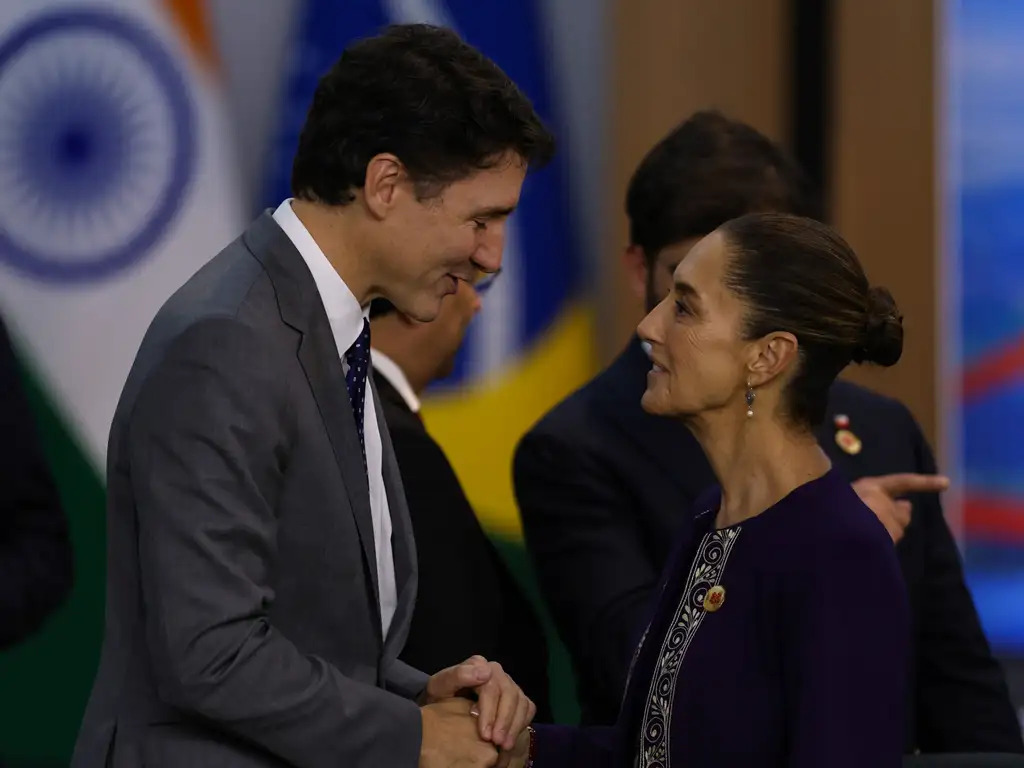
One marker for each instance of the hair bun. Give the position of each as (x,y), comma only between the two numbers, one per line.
(883,330)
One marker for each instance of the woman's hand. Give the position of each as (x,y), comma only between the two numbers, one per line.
(519,754)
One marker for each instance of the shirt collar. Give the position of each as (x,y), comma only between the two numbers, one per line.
(396,377)
(342,307)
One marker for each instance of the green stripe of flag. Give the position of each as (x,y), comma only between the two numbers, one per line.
(45,681)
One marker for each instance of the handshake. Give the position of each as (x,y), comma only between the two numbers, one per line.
(488,732)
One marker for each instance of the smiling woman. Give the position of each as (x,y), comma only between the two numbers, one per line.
(781,633)
(785,291)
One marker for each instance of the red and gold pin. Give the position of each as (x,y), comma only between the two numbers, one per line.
(714,599)
(845,439)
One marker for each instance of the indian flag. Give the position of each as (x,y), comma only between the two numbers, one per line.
(116,184)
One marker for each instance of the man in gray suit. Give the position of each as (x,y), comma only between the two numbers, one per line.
(261,573)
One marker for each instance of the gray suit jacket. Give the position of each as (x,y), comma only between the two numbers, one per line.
(243,625)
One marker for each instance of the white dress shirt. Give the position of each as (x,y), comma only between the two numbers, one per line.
(395,376)
(346,318)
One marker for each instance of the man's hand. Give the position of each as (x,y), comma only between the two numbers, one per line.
(450,738)
(503,709)
(881,495)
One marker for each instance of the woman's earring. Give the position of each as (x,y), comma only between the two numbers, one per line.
(750,400)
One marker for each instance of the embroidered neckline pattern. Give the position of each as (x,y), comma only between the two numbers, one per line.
(643,637)
(705,573)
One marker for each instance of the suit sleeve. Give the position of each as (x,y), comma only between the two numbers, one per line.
(593,569)
(35,550)
(406,681)
(963,704)
(207,443)
(845,648)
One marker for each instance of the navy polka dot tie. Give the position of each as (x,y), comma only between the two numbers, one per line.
(358,359)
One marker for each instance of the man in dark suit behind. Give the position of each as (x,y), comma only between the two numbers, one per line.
(458,563)
(261,570)
(602,485)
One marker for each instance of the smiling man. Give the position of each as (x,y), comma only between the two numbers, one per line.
(262,573)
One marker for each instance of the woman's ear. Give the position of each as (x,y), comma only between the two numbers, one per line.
(772,356)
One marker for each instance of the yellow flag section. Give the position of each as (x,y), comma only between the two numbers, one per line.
(479,426)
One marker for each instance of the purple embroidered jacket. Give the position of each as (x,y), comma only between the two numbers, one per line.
(780,641)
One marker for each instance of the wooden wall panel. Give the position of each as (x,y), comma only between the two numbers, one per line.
(884,177)
(671,58)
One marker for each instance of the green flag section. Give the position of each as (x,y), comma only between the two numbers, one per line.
(45,681)
(563,688)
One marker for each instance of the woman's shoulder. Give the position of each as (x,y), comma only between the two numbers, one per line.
(832,524)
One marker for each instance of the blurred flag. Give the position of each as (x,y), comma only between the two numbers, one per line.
(115,186)
(983,170)
(531,345)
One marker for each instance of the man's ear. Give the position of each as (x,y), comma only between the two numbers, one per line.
(381,186)
(637,270)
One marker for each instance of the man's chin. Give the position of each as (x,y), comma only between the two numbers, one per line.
(446,368)
(425,310)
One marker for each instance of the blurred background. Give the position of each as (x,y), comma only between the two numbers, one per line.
(909,115)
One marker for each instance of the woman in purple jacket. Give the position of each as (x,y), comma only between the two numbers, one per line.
(781,634)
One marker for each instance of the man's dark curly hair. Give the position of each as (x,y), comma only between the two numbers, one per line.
(419,92)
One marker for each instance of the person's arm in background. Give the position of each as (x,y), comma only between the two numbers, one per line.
(36,561)
(963,704)
(593,569)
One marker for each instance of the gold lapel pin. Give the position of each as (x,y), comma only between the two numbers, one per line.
(714,599)
(845,439)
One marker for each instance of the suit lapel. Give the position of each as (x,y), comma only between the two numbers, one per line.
(302,309)
(319,358)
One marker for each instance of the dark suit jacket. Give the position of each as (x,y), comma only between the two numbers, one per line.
(35,551)
(243,623)
(602,486)
(467,602)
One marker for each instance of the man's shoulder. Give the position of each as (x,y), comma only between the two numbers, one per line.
(233,285)
(582,412)
(222,286)
(888,437)
(223,313)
